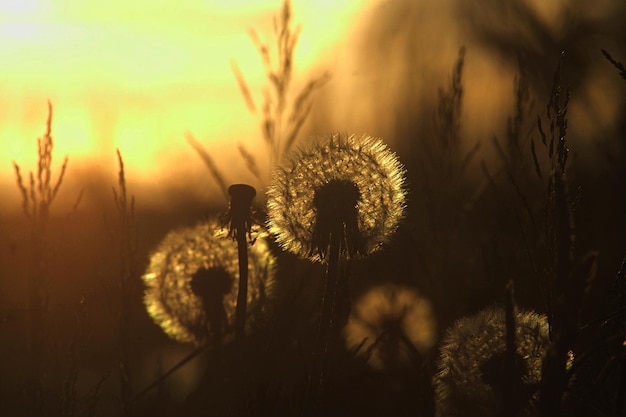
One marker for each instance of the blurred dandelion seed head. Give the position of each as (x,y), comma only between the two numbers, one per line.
(194,274)
(354,180)
(385,320)
(469,344)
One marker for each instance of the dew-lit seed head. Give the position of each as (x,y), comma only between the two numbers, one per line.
(306,189)
(475,345)
(192,282)
(388,324)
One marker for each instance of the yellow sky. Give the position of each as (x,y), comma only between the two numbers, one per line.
(136,75)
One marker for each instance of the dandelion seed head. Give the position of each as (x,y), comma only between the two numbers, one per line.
(387,318)
(194,275)
(360,169)
(469,344)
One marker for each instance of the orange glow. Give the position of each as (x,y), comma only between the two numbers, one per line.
(138,75)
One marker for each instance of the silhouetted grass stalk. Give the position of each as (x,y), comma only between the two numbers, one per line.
(37,198)
(279,129)
(127,252)
(242,294)
(568,276)
(616,64)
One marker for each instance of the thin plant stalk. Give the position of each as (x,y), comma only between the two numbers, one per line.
(511,386)
(126,241)
(281,118)
(330,295)
(242,294)
(37,197)
(318,378)
(240,219)
(194,354)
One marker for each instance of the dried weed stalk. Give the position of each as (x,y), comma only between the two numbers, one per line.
(37,198)
(210,163)
(126,241)
(513,153)
(568,274)
(448,123)
(616,64)
(281,118)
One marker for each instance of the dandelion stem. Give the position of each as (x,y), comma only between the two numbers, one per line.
(242,295)
(330,296)
(240,224)
(327,323)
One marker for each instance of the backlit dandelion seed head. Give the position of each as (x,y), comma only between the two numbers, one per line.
(362,171)
(178,266)
(385,320)
(472,341)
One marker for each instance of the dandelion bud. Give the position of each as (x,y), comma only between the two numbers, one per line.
(239,215)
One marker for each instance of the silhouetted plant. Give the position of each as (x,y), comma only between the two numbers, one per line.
(192,285)
(569,273)
(350,187)
(338,199)
(616,64)
(447,143)
(513,153)
(282,117)
(280,130)
(445,196)
(126,242)
(239,218)
(37,198)
(217,175)
(471,363)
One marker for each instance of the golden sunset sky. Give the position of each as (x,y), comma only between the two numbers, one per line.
(138,75)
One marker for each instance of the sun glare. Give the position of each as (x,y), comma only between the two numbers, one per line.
(12,7)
